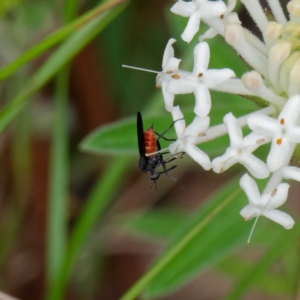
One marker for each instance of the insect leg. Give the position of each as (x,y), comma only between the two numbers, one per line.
(165,171)
(161,135)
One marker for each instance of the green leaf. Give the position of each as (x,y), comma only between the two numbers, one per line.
(236,267)
(58,183)
(278,248)
(159,223)
(208,247)
(271,282)
(206,238)
(121,138)
(59,167)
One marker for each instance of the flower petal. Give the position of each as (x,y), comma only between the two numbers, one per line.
(180,124)
(224,162)
(293,134)
(280,196)
(254,140)
(199,125)
(291,173)
(198,155)
(212,78)
(254,165)
(192,27)
(168,98)
(281,218)
(201,59)
(184,9)
(250,188)
(181,86)
(231,5)
(291,110)
(172,65)
(263,124)
(168,53)
(209,34)
(279,153)
(212,9)
(203,100)
(234,130)
(176,147)
(249,212)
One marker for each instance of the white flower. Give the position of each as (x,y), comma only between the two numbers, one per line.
(217,24)
(201,80)
(188,135)
(195,11)
(265,204)
(240,150)
(284,132)
(170,72)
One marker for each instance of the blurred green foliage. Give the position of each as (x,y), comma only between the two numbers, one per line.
(8,5)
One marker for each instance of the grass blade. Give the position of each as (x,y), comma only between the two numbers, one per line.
(65,53)
(96,204)
(56,37)
(57,202)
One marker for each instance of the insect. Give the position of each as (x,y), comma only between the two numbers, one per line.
(148,143)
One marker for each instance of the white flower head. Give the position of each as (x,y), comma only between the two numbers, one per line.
(240,150)
(196,10)
(284,132)
(188,135)
(201,80)
(170,72)
(265,204)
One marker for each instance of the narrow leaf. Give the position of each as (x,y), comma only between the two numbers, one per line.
(192,239)
(57,36)
(64,53)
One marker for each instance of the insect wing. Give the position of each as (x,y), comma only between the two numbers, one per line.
(140,134)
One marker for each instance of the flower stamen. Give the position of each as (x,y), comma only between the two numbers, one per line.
(252,230)
(140,69)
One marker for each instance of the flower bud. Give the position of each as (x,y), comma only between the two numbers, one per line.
(252,80)
(285,71)
(293,8)
(280,52)
(294,82)
(292,28)
(273,30)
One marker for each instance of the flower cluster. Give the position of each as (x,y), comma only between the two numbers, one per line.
(273,83)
